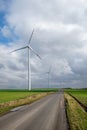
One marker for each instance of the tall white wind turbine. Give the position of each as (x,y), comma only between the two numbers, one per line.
(28,47)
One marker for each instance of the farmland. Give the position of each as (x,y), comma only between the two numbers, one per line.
(77,117)
(13,98)
(80,94)
(11,95)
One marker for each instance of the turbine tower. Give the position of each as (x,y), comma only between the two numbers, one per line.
(28,47)
(49,76)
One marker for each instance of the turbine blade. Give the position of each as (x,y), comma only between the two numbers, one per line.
(31,37)
(35,52)
(19,49)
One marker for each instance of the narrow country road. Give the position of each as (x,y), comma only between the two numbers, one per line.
(45,114)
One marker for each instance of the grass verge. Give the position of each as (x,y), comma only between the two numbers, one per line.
(79,94)
(6,106)
(6,96)
(77,117)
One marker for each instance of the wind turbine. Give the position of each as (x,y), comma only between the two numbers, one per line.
(48,73)
(28,47)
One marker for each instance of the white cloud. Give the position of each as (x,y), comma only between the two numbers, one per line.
(60,38)
(6,32)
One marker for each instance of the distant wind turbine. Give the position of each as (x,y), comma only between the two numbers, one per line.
(49,76)
(29,48)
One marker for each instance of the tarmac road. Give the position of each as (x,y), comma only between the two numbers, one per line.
(45,114)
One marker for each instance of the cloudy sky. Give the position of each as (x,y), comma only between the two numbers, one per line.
(60,38)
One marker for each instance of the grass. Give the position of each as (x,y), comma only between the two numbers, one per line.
(80,94)
(11,95)
(77,117)
(45,90)
(13,98)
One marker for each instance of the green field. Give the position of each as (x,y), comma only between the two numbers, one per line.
(45,90)
(11,95)
(12,98)
(80,94)
(77,117)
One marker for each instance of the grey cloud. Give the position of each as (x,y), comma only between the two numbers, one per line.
(2,66)
(59,38)
(79,66)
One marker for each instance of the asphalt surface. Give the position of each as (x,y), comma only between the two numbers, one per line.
(45,114)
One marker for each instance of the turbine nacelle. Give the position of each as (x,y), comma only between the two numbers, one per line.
(29,48)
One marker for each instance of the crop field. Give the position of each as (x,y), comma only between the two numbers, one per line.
(77,117)
(10,95)
(12,98)
(45,90)
(80,94)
